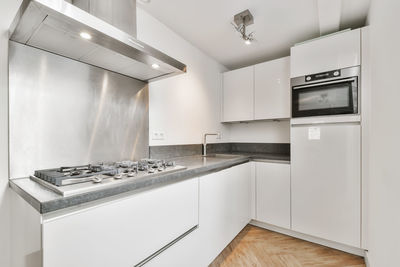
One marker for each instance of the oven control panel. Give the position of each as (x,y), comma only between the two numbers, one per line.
(322,75)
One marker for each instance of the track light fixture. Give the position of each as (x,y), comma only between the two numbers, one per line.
(240,22)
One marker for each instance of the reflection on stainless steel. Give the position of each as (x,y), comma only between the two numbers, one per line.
(121,14)
(66,113)
(56,26)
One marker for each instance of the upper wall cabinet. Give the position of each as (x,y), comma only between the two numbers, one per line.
(260,92)
(272,89)
(341,50)
(238,90)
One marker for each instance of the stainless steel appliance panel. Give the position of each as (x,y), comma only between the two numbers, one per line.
(325,94)
(63,112)
(56,26)
(121,14)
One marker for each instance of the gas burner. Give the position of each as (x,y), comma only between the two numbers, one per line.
(92,173)
(69,181)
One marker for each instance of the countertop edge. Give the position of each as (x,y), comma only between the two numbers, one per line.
(134,187)
(36,204)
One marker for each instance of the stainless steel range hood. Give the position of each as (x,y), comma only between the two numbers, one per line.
(56,26)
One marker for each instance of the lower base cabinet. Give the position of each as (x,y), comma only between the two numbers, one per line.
(121,233)
(127,231)
(273,193)
(224,208)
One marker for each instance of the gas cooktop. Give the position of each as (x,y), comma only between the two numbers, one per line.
(80,179)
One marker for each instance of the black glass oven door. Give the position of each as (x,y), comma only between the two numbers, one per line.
(330,99)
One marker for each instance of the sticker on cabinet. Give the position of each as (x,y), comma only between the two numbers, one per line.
(314,133)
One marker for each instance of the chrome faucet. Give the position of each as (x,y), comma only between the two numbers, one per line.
(205,142)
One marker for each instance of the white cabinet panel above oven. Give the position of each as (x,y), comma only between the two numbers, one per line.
(341,50)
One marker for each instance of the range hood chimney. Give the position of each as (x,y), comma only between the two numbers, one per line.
(96,32)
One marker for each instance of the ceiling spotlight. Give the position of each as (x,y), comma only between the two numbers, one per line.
(85,35)
(155,66)
(240,22)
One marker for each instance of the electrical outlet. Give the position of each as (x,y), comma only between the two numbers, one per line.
(158,135)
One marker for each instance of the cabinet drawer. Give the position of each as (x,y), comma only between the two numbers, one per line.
(124,232)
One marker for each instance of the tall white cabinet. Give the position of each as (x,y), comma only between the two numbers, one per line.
(259,92)
(325,152)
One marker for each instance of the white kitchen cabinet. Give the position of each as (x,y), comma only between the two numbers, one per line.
(326,182)
(238,95)
(123,232)
(366,130)
(225,204)
(224,211)
(273,193)
(341,50)
(272,89)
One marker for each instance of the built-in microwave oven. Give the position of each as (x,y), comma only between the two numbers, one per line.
(328,93)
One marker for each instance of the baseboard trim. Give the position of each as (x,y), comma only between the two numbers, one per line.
(320,241)
(366,258)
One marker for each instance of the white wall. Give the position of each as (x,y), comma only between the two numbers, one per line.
(7,12)
(384,219)
(184,107)
(260,132)
(4,194)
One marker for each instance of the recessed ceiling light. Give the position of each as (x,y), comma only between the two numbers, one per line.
(248,42)
(155,66)
(85,35)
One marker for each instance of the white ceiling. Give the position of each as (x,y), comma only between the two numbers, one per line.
(278,24)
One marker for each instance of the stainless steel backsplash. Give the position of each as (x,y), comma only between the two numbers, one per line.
(63,112)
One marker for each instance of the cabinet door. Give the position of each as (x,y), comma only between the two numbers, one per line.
(224,211)
(124,232)
(337,51)
(272,89)
(326,181)
(273,193)
(238,95)
(224,207)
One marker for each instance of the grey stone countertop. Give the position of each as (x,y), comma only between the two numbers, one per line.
(45,200)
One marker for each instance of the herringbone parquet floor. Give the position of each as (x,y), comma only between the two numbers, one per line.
(255,246)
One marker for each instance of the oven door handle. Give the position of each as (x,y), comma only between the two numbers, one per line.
(353,79)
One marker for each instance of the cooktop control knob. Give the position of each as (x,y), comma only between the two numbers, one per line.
(118,176)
